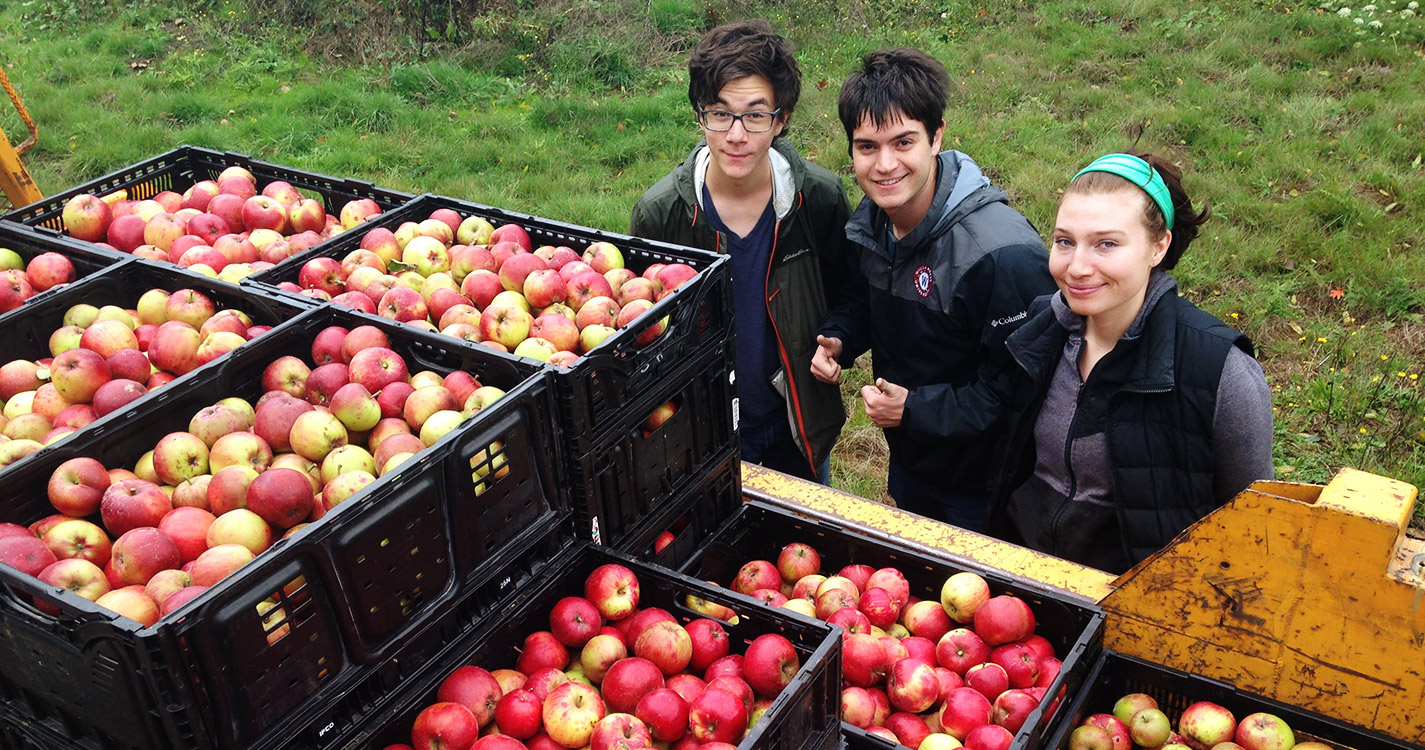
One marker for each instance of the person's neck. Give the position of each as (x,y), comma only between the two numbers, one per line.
(724,187)
(1105,329)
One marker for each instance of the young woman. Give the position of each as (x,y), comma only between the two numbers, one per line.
(1128,413)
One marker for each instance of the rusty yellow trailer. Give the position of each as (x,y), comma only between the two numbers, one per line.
(1308,594)
(15,180)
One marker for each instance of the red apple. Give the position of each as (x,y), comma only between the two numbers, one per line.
(444,726)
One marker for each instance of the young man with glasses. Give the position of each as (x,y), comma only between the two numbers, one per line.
(946,271)
(745,192)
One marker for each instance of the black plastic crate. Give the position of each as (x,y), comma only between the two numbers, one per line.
(179,169)
(87,258)
(690,518)
(28,328)
(596,391)
(1115,675)
(630,477)
(356,586)
(759,531)
(803,717)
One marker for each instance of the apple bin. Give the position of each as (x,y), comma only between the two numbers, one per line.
(29,335)
(179,169)
(84,259)
(636,477)
(596,391)
(688,520)
(1115,675)
(441,534)
(759,532)
(803,715)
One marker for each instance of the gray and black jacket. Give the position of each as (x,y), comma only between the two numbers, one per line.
(940,307)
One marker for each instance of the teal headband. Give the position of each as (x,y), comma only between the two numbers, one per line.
(1140,173)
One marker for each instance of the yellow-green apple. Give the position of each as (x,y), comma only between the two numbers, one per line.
(1203,723)
(188,527)
(481,398)
(227,489)
(535,348)
(570,712)
(218,562)
(77,374)
(424,402)
(26,553)
(962,594)
(282,497)
(613,589)
(426,378)
(344,485)
(603,256)
(1149,727)
(437,229)
(600,653)
(1090,737)
(505,323)
(440,424)
(131,504)
(62,339)
(1132,703)
(444,725)
(175,347)
(240,449)
(474,230)
(79,315)
(344,459)
(140,553)
(77,538)
(710,609)
(1264,731)
(427,255)
(717,716)
(215,421)
(239,526)
(190,306)
(1117,730)
(179,456)
(77,485)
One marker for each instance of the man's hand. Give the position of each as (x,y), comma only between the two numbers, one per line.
(885,402)
(823,363)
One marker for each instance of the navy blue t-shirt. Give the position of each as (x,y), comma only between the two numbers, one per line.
(757,360)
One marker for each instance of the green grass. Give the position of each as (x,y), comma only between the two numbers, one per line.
(1303,128)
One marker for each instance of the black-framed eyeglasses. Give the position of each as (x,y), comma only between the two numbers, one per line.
(721,120)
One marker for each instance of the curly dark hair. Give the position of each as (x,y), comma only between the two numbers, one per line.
(894,83)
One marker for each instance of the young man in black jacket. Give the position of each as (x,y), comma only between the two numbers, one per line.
(746,193)
(946,271)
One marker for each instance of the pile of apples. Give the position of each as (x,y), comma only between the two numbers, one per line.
(20,281)
(608,675)
(966,670)
(222,228)
(1137,721)
(102,358)
(205,501)
(466,278)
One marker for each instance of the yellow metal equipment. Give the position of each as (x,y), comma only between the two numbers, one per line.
(1310,595)
(14,178)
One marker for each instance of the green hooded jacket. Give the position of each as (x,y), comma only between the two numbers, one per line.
(808,266)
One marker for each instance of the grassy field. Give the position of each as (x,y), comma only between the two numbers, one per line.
(1302,125)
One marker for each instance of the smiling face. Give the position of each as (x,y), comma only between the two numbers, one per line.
(895,167)
(1102,254)
(737,154)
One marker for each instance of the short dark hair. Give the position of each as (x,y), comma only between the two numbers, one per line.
(894,83)
(1186,219)
(738,50)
